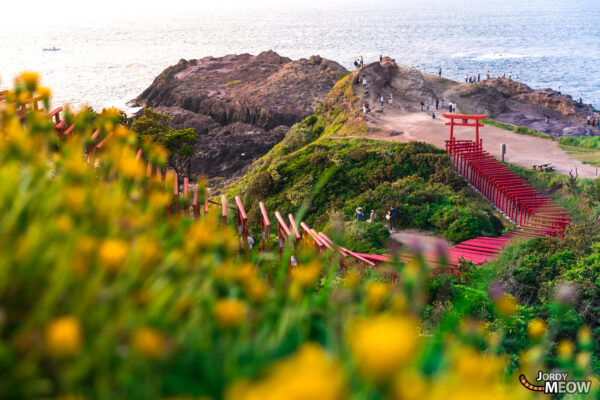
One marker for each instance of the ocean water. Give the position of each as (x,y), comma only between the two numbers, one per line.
(107,61)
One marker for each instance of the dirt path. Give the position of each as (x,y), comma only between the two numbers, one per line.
(401,126)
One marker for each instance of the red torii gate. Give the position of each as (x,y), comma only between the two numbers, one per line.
(465,122)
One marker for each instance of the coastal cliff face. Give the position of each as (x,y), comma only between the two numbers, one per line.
(502,99)
(239,105)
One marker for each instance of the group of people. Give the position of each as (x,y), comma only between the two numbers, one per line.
(359,62)
(594,122)
(439,105)
(391,216)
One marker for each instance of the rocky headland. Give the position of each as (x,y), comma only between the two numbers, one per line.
(239,105)
(502,99)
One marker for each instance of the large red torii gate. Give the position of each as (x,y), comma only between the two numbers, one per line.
(464,121)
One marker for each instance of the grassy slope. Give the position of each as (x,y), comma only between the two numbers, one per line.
(338,175)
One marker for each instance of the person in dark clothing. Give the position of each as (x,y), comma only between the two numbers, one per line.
(360,216)
(440,72)
(393,215)
(437,103)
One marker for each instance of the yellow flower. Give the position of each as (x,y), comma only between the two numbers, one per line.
(306,275)
(230,312)
(200,236)
(30,79)
(64,223)
(381,345)
(64,336)
(256,289)
(44,92)
(376,293)
(75,198)
(536,329)
(308,374)
(148,342)
(23,97)
(565,348)
(409,386)
(131,167)
(352,279)
(113,253)
(506,305)
(160,200)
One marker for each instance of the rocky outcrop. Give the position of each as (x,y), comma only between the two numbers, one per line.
(502,99)
(239,105)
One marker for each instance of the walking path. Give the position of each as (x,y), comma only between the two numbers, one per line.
(522,150)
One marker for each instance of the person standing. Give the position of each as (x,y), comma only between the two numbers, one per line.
(361,61)
(427,105)
(393,214)
(364,82)
(360,216)
(422,105)
(580,99)
(488,74)
(381,58)
(371,217)
(391,98)
(437,103)
(382,101)
(478,77)
(442,104)
(466,78)
(440,72)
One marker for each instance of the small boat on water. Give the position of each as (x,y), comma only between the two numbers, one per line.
(52,49)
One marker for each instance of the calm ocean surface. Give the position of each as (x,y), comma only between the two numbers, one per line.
(108,62)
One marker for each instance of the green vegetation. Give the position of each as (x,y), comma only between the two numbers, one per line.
(153,126)
(586,149)
(521,130)
(416,178)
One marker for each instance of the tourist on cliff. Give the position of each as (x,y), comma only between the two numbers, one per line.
(422,105)
(365,82)
(427,105)
(466,78)
(361,61)
(547,118)
(391,98)
(382,101)
(510,76)
(442,104)
(440,72)
(432,115)
(371,217)
(355,63)
(392,213)
(589,120)
(381,58)
(488,74)
(478,77)
(437,103)
(580,99)
(360,216)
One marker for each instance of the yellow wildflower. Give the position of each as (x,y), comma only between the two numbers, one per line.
(230,312)
(256,289)
(64,336)
(309,374)
(160,200)
(352,279)
(381,345)
(75,198)
(536,329)
(308,274)
(131,167)
(44,92)
(30,79)
(565,348)
(506,305)
(409,385)
(113,253)
(148,342)
(64,223)
(376,293)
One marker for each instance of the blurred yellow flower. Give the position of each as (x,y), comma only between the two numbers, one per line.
(306,275)
(75,198)
(23,97)
(536,329)
(256,289)
(352,279)
(230,312)
(148,342)
(64,336)
(132,168)
(381,345)
(64,223)
(409,385)
(30,79)
(307,375)
(506,305)
(160,200)
(113,253)
(376,294)
(565,348)
(44,92)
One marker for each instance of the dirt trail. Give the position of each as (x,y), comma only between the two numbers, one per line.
(395,124)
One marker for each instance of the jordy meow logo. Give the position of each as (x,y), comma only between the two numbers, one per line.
(556,382)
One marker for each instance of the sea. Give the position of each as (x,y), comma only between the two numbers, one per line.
(106,60)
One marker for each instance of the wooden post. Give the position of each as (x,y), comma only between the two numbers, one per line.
(224,209)
(265,243)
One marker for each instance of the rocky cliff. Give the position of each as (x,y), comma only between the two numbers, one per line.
(502,99)
(239,105)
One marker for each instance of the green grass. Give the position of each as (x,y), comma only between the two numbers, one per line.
(586,149)
(520,130)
